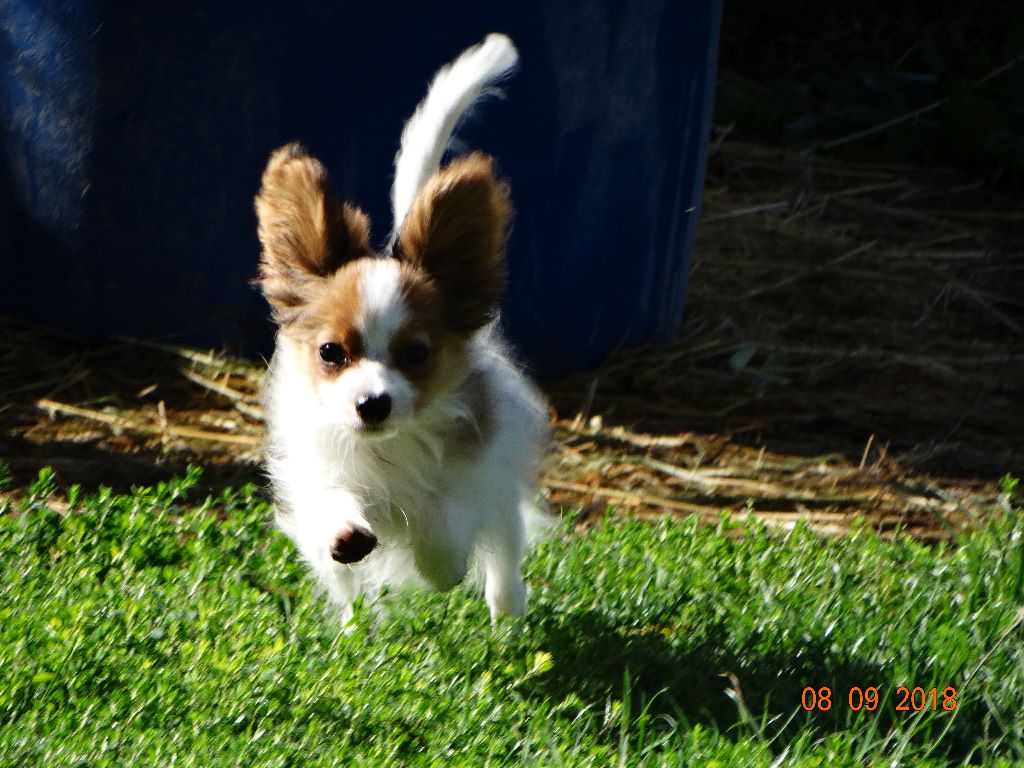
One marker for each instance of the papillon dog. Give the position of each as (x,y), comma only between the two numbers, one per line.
(404,444)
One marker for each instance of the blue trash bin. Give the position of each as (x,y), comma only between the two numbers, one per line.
(134,135)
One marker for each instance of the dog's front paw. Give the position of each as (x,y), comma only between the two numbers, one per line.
(353,545)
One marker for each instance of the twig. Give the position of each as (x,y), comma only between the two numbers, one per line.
(810,271)
(620,435)
(913,115)
(220,389)
(866,189)
(867,450)
(941,213)
(206,358)
(740,212)
(766,491)
(709,513)
(254,412)
(583,415)
(136,426)
(209,359)
(997,313)
(826,523)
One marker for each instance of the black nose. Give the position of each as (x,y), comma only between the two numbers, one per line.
(373,409)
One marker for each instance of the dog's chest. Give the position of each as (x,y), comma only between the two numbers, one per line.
(400,485)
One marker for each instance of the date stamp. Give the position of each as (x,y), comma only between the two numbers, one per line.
(906,699)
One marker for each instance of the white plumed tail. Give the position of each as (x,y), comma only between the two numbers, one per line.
(454,89)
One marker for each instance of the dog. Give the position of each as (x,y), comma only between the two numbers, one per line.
(404,442)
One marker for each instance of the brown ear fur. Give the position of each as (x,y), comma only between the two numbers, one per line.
(305,231)
(457,231)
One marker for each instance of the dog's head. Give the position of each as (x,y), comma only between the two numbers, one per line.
(379,337)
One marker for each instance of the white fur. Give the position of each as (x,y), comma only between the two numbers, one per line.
(451,94)
(382,307)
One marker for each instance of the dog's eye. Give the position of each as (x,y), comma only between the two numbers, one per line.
(416,353)
(333,354)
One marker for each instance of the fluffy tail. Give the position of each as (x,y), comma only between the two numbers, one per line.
(426,135)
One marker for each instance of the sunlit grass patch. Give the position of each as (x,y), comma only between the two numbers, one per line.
(157,628)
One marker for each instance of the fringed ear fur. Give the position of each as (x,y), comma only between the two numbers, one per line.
(457,231)
(306,232)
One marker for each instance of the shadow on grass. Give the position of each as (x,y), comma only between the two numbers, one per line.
(706,678)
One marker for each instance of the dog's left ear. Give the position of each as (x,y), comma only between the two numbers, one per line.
(457,231)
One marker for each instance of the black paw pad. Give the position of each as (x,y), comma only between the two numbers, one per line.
(353,546)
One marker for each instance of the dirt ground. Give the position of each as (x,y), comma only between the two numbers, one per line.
(853,349)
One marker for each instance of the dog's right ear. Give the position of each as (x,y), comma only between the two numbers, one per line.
(306,232)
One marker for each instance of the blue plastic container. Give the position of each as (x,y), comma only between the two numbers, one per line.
(134,135)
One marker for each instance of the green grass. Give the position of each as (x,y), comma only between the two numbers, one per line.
(160,629)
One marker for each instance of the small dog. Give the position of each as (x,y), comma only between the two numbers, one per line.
(404,444)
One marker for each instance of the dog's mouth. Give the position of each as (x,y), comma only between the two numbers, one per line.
(375,433)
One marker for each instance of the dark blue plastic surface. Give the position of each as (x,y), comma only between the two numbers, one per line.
(134,135)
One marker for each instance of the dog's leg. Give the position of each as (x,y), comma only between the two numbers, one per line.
(331,532)
(501,554)
(443,542)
